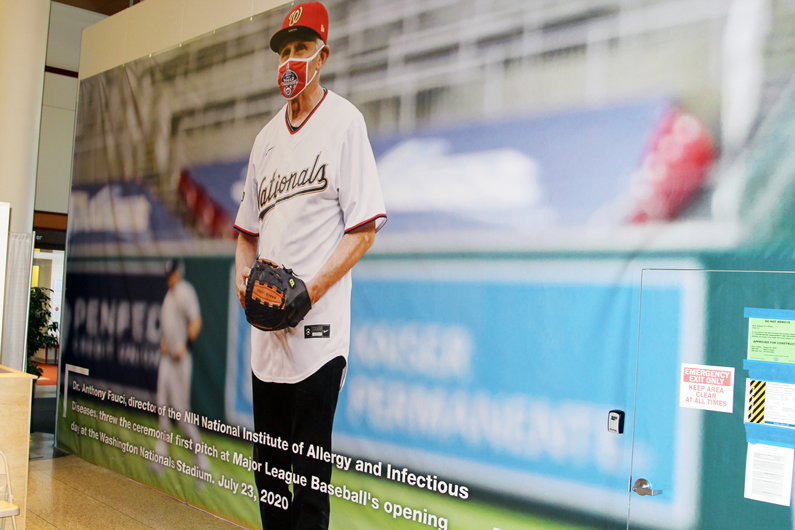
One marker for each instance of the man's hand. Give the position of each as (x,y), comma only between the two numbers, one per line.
(352,247)
(245,254)
(241,278)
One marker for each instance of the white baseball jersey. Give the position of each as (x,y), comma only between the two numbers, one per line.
(180,306)
(305,188)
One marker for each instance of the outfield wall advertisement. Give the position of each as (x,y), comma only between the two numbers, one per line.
(495,320)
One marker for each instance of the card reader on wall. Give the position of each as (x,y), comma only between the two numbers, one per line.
(615,421)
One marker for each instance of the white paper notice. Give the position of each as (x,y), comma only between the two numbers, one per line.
(773,403)
(768,473)
(780,404)
(707,387)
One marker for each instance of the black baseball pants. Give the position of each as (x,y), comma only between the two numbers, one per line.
(297,413)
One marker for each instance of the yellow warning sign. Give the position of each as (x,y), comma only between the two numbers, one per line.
(756,402)
(769,403)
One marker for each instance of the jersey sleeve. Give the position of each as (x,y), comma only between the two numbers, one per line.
(247,220)
(359,190)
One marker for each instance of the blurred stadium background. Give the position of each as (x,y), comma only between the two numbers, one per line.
(418,66)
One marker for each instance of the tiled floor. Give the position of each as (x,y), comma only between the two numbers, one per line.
(68,493)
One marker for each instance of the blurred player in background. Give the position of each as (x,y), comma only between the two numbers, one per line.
(180,324)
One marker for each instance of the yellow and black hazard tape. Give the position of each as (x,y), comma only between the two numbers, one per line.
(756,402)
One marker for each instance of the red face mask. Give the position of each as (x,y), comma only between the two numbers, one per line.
(292,75)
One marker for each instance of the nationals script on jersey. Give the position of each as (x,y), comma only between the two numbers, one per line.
(304,189)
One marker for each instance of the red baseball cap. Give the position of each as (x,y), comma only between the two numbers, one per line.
(309,15)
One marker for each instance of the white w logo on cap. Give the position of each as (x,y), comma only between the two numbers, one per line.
(296,15)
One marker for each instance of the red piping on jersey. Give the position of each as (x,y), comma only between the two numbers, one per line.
(369,221)
(296,129)
(252,234)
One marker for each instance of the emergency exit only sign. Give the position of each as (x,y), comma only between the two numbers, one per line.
(707,387)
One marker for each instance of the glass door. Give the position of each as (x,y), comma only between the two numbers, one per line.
(692,439)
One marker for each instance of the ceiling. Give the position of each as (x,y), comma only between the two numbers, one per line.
(105,7)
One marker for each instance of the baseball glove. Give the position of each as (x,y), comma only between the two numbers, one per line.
(275,297)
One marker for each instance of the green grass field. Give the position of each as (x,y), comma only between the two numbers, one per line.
(469,514)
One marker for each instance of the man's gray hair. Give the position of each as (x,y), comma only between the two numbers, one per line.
(319,43)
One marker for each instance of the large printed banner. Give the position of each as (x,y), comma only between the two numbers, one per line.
(495,321)
(441,404)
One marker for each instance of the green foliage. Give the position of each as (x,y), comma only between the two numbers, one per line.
(41,333)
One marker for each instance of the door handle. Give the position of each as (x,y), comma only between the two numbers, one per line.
(643,487)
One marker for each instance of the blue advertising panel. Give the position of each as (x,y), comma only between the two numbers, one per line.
(505,382)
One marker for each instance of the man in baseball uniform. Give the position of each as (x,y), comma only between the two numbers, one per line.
(312,203)
(180,324)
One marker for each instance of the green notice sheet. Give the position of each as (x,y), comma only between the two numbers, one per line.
(771,340)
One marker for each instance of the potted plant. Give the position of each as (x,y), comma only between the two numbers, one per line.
(41,332)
